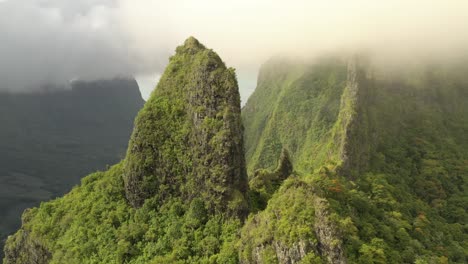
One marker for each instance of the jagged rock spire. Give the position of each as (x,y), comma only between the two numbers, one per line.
(188,138)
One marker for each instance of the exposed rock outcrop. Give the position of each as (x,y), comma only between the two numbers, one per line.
(26,251)
(353,133)
(329,240)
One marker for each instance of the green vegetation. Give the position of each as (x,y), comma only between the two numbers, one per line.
(293,107)
(397,193)
(348,165)
(177,197)
(264,183)
(187,140)
(94,224)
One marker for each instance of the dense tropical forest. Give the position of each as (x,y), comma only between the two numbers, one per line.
(331,161)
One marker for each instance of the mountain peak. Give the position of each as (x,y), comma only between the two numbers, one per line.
(188,139)
(192,42)
(191,45)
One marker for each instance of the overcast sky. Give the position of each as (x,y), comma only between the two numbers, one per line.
(44,41)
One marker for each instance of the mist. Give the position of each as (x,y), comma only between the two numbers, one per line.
(44,41)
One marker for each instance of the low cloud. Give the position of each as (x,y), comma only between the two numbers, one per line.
(57,40)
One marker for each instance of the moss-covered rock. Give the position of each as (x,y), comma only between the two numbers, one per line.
(188,139)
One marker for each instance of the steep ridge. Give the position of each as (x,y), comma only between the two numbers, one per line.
(293,107)
(52,138)
(391,188)
(178,196)
(308,234)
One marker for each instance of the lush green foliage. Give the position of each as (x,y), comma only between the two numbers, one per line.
(294,107)
(177,197)
(286,221)
(409,203)
(380,173)
(94,224)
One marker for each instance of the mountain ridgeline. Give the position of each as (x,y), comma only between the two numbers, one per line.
(347,164)
(380,161)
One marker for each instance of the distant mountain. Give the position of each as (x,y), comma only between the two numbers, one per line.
(50,139)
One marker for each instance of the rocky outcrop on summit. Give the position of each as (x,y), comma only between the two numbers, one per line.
(188,140)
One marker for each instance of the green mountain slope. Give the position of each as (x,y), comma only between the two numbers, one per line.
(293,107)
(392,187)
(177,197)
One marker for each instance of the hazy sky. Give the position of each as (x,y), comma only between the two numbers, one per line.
(45,41)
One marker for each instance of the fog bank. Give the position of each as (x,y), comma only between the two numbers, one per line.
(58,40)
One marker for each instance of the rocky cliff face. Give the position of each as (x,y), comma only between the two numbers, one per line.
(330,245)
(188,139)
(320,241)
(352,132)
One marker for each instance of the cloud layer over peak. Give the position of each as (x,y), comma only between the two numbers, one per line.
(57,40)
